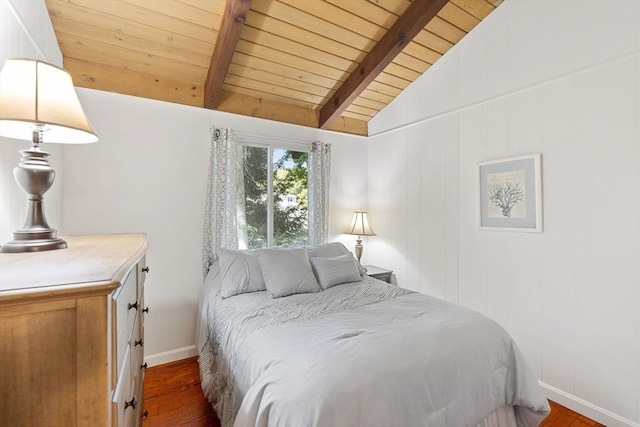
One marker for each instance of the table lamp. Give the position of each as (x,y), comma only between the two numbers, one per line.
(359,226)
(38,103)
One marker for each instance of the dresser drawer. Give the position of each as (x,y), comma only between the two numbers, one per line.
(125,403)
(126,307)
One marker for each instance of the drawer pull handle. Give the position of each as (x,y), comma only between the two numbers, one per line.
(145,414)
(144,366)
(140,342)
(146,310)
(132,403)
(146,269)
(134,305)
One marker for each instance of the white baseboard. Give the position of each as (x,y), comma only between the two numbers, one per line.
(585,408)
(170,356)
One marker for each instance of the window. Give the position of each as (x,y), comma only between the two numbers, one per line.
(275,195)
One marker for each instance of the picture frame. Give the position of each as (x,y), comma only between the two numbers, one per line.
(510,194)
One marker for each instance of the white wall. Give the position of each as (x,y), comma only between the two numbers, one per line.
(559,78)
(148,173)
(26,32)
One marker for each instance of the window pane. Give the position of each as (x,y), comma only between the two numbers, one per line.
(289,197)
(254,168)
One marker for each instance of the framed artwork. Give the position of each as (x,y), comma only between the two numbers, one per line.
(510,194)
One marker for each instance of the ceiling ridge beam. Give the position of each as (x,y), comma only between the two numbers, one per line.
(412,21)
(235,15)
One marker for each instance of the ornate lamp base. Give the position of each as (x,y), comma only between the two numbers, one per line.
(35,176)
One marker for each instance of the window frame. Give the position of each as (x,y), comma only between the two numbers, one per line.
(271,144)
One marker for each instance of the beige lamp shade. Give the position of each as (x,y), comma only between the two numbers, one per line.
(359,225)
(37,94)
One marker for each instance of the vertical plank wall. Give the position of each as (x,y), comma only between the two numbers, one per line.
(26,32)
(560,78)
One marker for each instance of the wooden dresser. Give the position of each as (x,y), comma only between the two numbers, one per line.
(72,333)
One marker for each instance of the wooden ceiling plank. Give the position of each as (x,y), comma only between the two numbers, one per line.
(458,17)
(106,54)
(127,82)
(274,55)
(266,95)
(264,38)
(397,7)
(61,17)
(410,23)
(133,13)
(479,9)
(214,6)
(367,10)
(144,47)
(268,24)
(376,96)
(364,102)
(306,21)
(232,22)
(433,42)
(340,16)
(356,116)
(369,112)
(280,90)
(282,70)
(391,80)
(496,3)
(412,63)
(422,53)
(402,72)
(445,30)
(179,10)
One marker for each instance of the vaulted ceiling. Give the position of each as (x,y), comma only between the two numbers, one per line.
(330,64)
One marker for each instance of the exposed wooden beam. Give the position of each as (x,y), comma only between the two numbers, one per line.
(235,15)
(416,17)
(232,102)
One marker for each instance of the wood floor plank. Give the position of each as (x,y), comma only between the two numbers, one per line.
(174,398)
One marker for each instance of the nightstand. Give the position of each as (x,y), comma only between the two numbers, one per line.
(379,273)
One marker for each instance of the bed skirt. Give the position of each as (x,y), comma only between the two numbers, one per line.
(501,417)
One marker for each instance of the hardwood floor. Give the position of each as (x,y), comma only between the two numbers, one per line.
(173,397)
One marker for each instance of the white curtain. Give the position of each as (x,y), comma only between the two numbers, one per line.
(220,225)
(318,192)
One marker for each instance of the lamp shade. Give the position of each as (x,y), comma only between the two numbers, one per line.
(37,94)
(359,225)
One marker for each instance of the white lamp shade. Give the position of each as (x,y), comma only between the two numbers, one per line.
(359,225)
(37,93)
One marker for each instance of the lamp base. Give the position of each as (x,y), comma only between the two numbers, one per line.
(34,175)
(16,246)
(33,241)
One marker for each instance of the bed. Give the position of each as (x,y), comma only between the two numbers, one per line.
(302,337)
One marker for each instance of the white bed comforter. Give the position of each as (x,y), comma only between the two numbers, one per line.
(361,354)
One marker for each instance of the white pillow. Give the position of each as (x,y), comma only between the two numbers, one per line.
(336,270)
(240,273)
(287,271)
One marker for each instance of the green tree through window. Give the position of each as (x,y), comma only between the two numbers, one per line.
(289,195)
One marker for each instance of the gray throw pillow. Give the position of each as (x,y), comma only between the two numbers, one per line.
(336,270)
(287,271)
(240,273)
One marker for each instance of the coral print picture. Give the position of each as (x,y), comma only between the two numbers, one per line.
(507,197)
(510,194)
